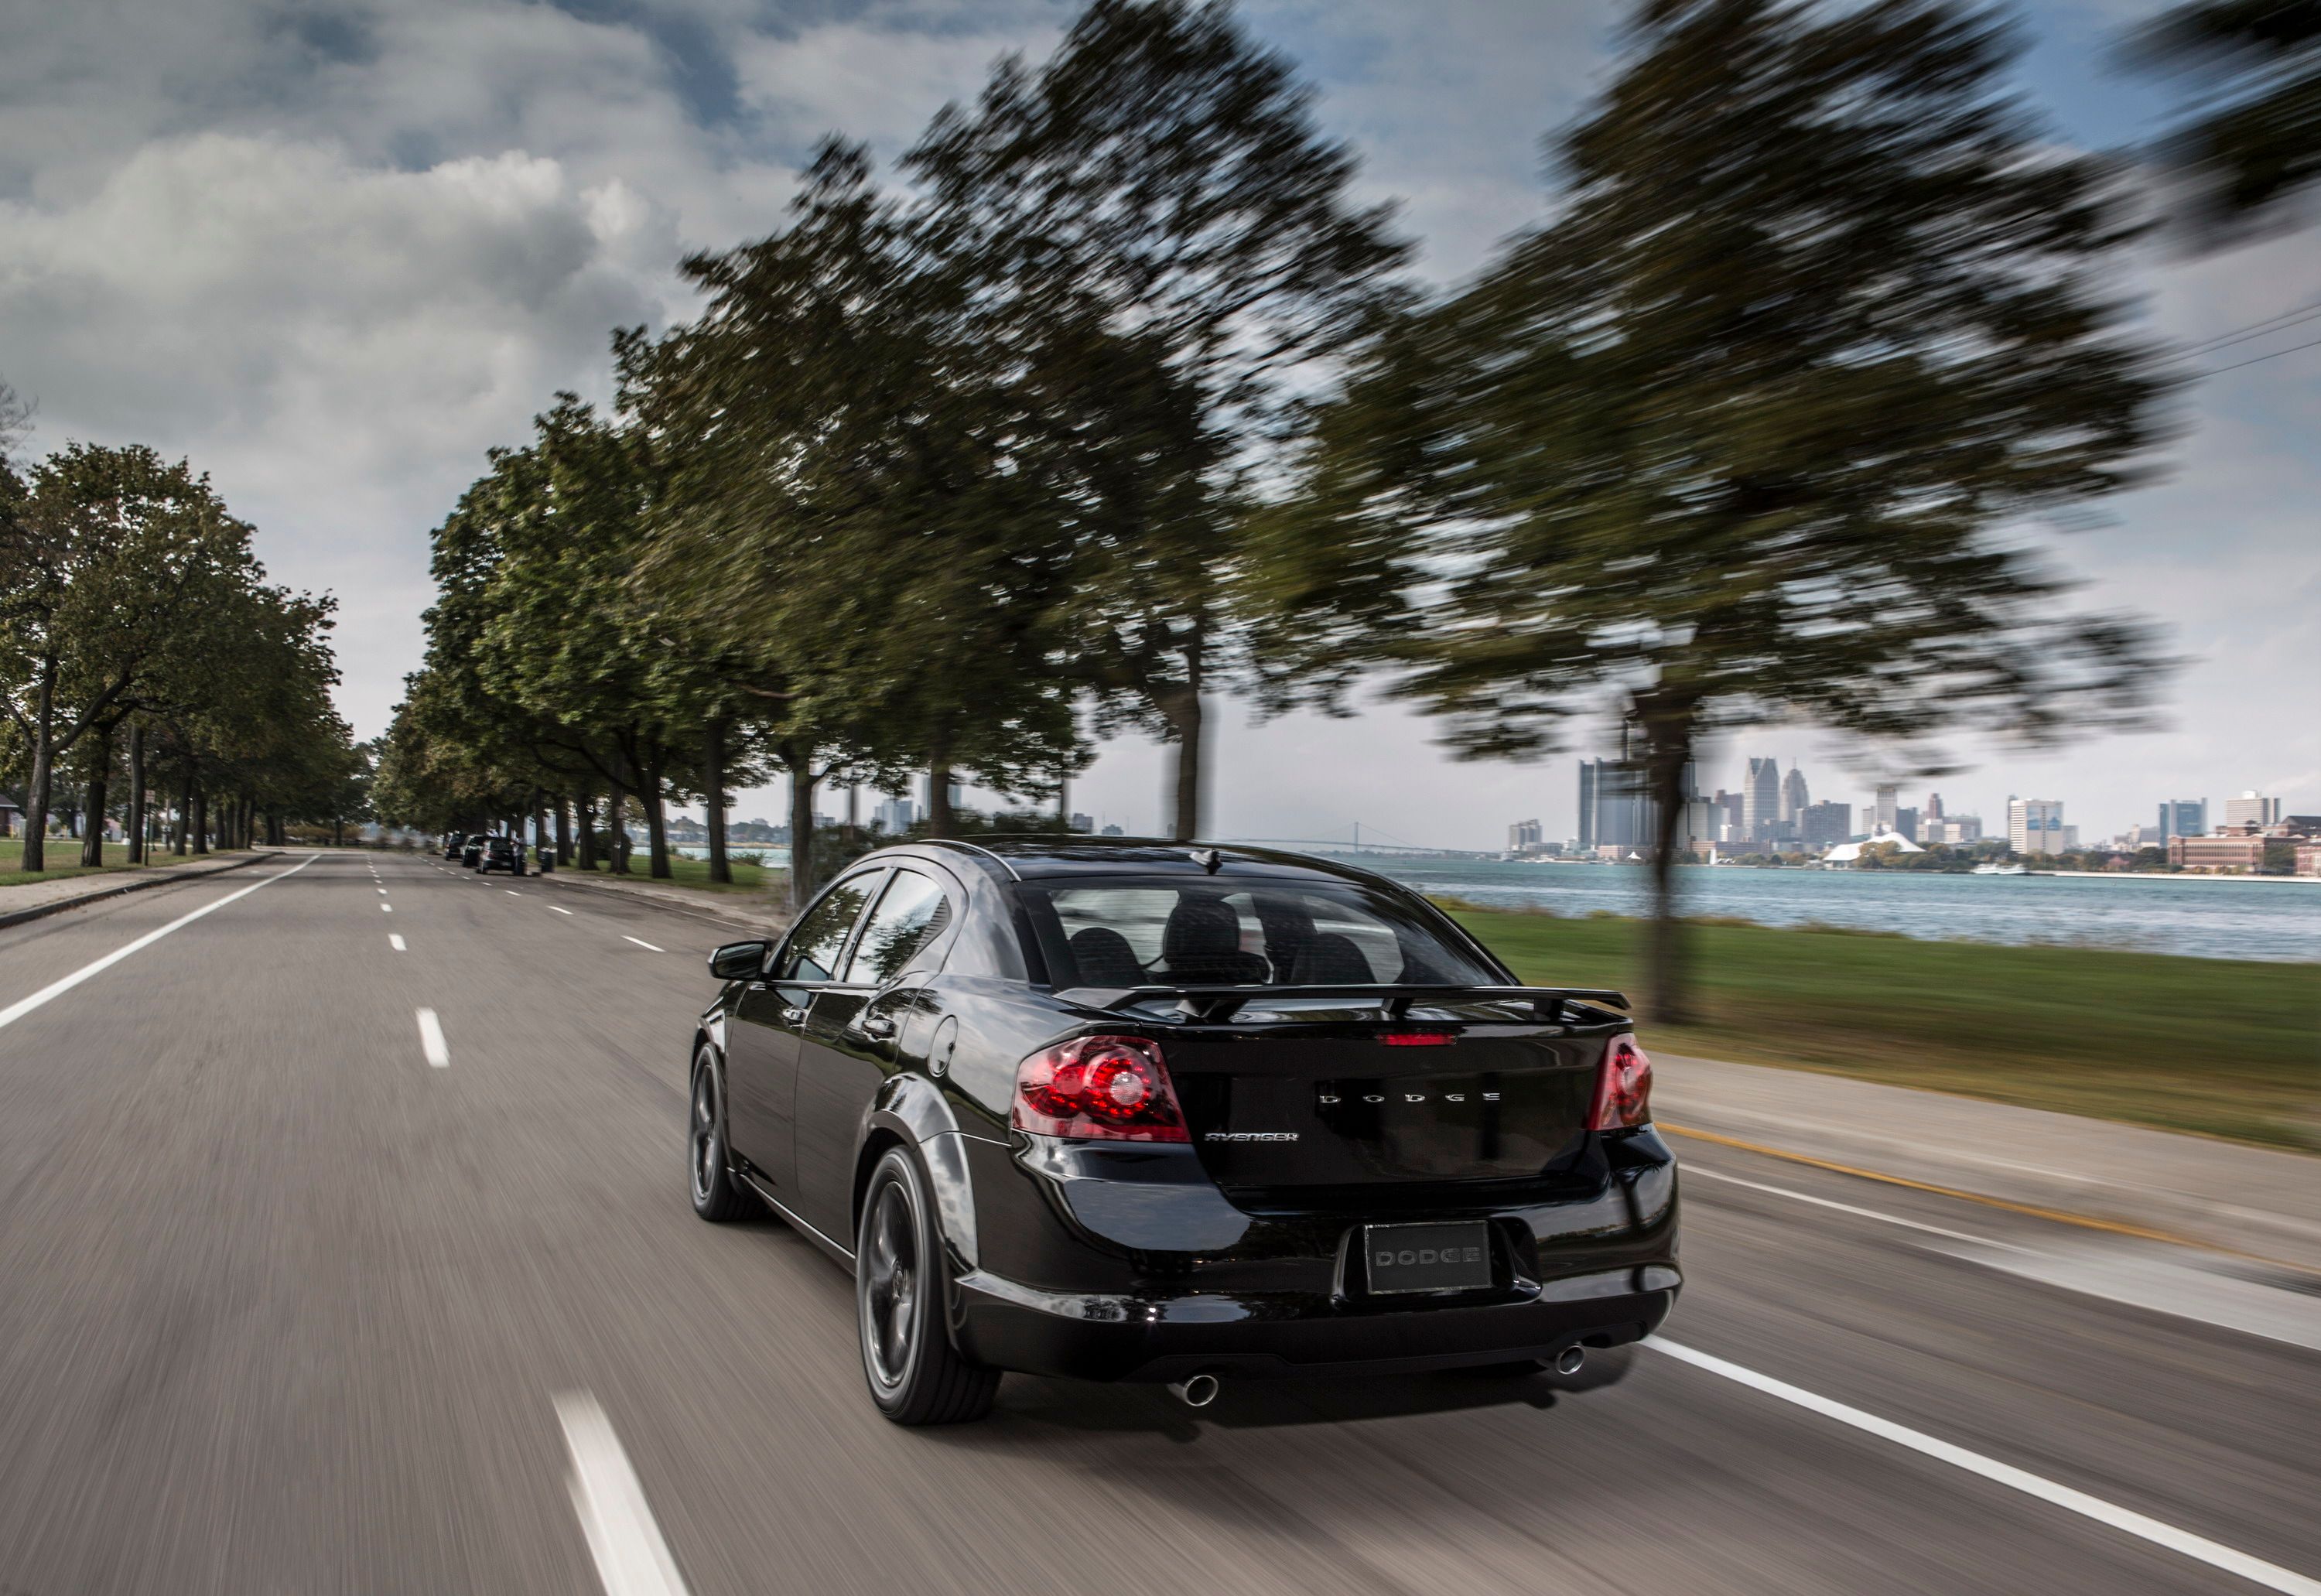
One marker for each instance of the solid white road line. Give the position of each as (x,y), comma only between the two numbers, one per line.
(57,989)
(631,1557)
(641,942)
(2201,1549)
(1691,1169)
(430,1040)
(560,911)
(395,942)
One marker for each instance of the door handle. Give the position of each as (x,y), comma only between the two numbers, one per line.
(794,1017)
(878,1025)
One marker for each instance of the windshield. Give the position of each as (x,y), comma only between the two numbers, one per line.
(1125,932)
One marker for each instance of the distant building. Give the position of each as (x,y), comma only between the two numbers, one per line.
(1761,801)
(1616,809)
(2035,826)
(1794,795)
(1084,823)
(2248,809)
(2243,855)
(895,817)
(1934,806)
(11,817)
(1951,831)
(2308,859)
(2183,817)
(1906,821)
(1822,825)
(1522,834)
(1889,808)
(1112,831)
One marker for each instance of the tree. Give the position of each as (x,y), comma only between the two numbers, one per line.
(2250,144)
(104,554)
(1154,209)
(1754,428)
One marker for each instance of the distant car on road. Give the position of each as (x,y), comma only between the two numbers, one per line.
(501,853)
(471,851)
(454,841)
(1129,1110)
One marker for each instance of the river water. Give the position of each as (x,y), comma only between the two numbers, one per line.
(2204,916)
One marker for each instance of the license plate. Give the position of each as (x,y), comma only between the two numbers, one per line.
(1426,1257)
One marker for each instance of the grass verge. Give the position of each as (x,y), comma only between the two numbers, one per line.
(748,880)
(63,855)
(2221,1047)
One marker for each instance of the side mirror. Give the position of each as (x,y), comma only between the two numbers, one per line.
(738,960)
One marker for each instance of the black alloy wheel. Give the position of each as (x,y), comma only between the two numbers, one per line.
(915,1375)
(717,1196)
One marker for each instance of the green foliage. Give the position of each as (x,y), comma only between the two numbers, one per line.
(2250,144)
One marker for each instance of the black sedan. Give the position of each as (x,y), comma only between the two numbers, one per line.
(454,841)
(1173,1113)
(500,854)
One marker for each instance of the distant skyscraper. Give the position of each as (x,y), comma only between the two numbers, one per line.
(1794,797)
(1760,799)
(1888,806)
(1906,821)
(2183,817)
(1933,809)
(1522,835)
(1821,825)
(2035,826)
(2248,809)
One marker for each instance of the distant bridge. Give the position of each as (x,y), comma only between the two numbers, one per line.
(1357,838)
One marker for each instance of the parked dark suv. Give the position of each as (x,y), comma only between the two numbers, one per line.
(1127,1110)
(471,851)
(454,840)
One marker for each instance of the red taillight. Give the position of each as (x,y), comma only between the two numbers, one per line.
(1419,1038)
(1624,1092)
(1108,1088)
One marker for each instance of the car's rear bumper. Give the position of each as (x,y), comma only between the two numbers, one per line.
(1081,1335)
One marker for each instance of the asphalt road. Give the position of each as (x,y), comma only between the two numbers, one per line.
(287,1307)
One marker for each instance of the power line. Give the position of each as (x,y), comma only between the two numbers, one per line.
(2261,360)
(2215,344)
(2289,317)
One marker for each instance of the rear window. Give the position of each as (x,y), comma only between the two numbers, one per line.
(1124,932)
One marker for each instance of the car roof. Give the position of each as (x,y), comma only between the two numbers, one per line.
(1027,858)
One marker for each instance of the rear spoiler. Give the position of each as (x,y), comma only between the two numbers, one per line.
(1218,1004)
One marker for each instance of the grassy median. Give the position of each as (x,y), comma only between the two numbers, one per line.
(2226,1048)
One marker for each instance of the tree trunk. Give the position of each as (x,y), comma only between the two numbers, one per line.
(200,826)
(712,765)
(563,829)
(940,821)
(136,826)
(100,778)
(616,828)
(1668,750)
(801,768)
(586,806)
(36,796)
(653,801)
(181,831)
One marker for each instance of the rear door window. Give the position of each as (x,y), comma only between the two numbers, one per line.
(815,949)
(912,915)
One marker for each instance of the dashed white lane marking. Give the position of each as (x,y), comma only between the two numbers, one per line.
(1847,1208)
(430,1040)
(560,911)
(382,892)
(641,942)
(632,1558)
(386,908)
(2271,1576)
(395,942)
(512,892)
(57,989)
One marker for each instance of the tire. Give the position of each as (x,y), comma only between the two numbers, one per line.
(717,1196)
(914,1373)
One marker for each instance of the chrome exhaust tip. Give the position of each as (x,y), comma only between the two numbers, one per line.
(1569,1360)
(1197,1391)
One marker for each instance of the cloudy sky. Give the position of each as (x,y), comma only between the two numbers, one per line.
(332,249)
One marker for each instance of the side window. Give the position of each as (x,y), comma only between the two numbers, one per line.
(813,948)
(911,913)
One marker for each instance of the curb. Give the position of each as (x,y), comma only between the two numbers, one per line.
(656,900)
(42,910)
